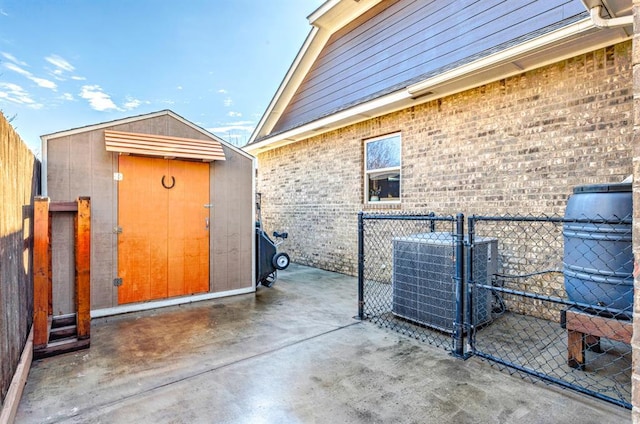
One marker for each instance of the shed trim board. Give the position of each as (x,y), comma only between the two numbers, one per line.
(571,39)
(136,307)
(45,138)
(162,146)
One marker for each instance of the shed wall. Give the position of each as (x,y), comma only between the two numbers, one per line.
(232,208)
(516,146)
(79,165)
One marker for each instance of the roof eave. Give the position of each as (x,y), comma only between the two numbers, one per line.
(326,20)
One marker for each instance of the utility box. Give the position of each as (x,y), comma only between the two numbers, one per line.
(424,287)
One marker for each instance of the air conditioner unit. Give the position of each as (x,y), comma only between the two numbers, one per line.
(424,267)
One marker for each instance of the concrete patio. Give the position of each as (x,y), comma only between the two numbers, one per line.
(289,354)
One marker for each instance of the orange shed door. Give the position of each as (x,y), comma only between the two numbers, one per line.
(163,249)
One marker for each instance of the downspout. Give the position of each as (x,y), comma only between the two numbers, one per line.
(609,23)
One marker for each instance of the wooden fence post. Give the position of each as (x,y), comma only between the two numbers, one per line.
(41,264)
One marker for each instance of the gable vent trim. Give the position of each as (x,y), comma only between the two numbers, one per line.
(163,146)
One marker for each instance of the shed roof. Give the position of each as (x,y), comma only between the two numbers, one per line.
(369,58)
(216,143)
(163,146)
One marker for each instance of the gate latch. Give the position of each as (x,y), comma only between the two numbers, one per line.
(117,282)
(117,230)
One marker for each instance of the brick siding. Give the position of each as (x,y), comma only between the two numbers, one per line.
(515,146)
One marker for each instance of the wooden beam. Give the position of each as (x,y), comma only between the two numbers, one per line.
(50,263)
(599,326)
(83,267)
(12,399)
(41,272)
(58,348)
(63,207)
(575,349)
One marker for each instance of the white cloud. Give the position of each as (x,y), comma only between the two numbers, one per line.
(222,91)
(132,103)
(98,99)
(16,94)
(67,96)
(3,13)
(179,87)
(41,82)
(59,63)
(228,102)
(234,114)
(77,78)
(15,68)
(12,58)
(44,83)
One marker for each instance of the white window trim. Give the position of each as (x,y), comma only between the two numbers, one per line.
(381,170)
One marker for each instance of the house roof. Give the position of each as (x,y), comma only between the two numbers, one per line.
(368,58)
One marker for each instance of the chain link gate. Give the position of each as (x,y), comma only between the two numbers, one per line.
(396,248)
(561,302)
(498,292)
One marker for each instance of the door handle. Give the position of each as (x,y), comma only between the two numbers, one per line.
(206,223)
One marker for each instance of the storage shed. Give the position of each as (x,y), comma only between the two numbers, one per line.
(172,213)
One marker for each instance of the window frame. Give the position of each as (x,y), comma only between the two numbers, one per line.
(367,173)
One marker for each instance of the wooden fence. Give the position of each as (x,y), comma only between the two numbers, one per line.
(19,183)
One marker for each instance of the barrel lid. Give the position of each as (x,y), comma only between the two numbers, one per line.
(603,188)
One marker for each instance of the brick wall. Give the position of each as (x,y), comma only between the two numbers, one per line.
(516,146)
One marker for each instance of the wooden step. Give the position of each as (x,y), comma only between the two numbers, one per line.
(58,333)
(63,321)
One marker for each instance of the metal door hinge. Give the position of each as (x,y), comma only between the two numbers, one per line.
(117,176)
(117,230)
(117,282)
(208,206)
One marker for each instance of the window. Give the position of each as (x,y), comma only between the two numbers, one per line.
(382,169)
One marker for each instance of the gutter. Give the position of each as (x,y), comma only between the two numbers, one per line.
(601,22)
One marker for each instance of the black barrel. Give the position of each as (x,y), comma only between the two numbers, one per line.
(598,257)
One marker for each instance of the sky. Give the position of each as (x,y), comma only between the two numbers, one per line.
(70,63)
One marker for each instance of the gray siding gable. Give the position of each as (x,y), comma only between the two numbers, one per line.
(400,42)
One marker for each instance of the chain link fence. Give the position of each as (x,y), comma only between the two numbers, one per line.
(544,297)
(392,249)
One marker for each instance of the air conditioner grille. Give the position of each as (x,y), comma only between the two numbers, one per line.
(424,267)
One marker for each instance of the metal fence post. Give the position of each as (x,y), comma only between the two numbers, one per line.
(360,265)
(470,285)
(458,335)
(432,222)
